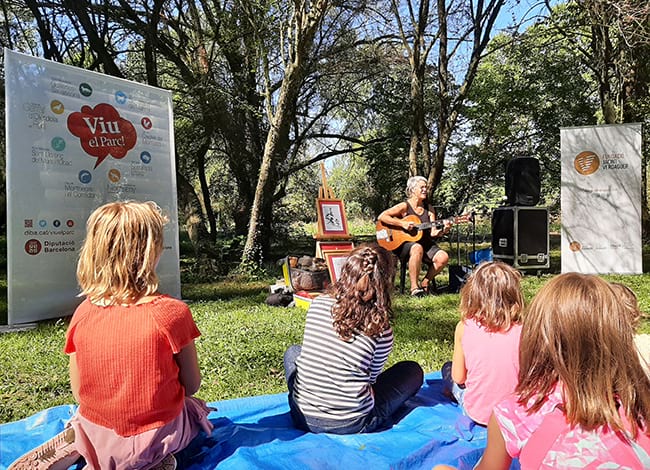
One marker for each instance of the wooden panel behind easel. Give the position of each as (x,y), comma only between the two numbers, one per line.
(340,245)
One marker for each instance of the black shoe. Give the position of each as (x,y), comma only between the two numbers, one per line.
(449,395)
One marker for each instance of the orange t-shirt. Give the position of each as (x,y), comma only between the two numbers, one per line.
(125,356)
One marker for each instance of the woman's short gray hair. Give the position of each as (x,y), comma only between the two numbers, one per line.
(412,183)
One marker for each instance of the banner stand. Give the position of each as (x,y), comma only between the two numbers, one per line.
(76,140)
(16,328)
(601,193)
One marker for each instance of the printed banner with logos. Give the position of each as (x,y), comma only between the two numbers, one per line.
(601,199)
(76,140)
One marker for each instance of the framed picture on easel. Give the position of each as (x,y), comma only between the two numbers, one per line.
(333,245)
(331,219)
(335,260)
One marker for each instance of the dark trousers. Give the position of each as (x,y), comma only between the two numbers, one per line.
(392,388)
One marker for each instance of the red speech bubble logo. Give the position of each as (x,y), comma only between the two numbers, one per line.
(102,132)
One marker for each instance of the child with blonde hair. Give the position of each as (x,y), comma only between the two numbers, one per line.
(133,362)
(583,400)
(642,341)
(335,378)
(485,361)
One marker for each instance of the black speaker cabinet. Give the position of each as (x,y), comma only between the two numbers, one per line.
(522,181)
(520,237)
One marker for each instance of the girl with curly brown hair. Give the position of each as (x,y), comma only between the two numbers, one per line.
(335,378)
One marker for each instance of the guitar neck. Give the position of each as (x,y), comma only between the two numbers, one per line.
(392,237)
(439,224)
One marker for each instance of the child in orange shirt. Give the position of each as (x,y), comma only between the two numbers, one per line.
(133,362)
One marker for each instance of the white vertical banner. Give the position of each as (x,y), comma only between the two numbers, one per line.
(601,199)
(76,140)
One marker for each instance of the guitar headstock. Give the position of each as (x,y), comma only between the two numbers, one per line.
(459,219)
(463,218)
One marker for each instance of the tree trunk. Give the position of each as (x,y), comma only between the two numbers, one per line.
(482,22)
(274,150)
(601,47)
(419,151)
(306,19)
(418,53)
(189,211)
(417,116)
(96,42)
(205,187)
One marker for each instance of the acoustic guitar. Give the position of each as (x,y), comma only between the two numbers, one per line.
(392,237)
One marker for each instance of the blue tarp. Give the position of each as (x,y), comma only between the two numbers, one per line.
(256,432)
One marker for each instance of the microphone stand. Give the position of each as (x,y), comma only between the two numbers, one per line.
(458,245)
(474,234)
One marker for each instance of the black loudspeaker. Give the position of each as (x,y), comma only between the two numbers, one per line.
(520,237)
(522,181)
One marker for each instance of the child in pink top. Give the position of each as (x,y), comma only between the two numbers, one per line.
(583,400)
(485,363)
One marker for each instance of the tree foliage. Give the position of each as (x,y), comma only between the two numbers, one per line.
(263,89)
(612,40)
(525,90)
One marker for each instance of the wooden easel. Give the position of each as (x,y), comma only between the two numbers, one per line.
(324,192)
(327,239)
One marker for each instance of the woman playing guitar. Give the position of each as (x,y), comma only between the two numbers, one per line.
(424,250)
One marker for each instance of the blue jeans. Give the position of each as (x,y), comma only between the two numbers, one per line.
(392,388)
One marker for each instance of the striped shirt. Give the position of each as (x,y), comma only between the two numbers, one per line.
(334,377)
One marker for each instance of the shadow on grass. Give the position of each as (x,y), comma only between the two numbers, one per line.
(226,290)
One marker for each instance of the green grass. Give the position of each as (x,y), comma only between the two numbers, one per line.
(243,339)
(242,343)
(240,350)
